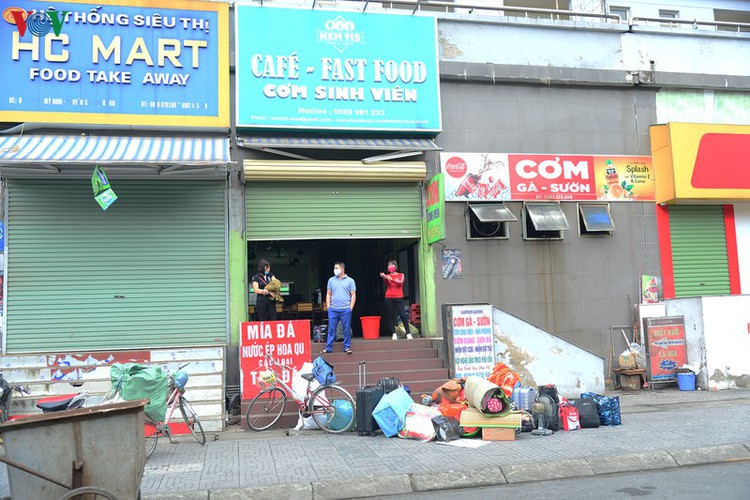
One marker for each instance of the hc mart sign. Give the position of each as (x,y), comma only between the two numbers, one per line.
(505,177)
(115,62)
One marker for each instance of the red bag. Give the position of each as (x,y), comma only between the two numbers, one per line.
(569,418)
(452,409)
(504,377)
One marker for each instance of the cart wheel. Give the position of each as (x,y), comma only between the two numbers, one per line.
(90,490)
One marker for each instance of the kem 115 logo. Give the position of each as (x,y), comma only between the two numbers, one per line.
(38,22)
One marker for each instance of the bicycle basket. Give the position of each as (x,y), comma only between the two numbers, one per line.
(266,379)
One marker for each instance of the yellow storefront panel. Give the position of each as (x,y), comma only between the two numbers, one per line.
(701,162)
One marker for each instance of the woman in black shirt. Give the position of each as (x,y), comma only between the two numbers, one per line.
(264,303)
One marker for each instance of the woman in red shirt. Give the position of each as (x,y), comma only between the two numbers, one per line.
(394,298)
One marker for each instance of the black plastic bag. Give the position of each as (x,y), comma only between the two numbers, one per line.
(447,428)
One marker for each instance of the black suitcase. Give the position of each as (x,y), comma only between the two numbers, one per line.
(367,399)
(389,384)
(588,414)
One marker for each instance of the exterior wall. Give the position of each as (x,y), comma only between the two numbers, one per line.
(578,287)
(727,321)
(703,106)
(540,358)
(647,55)
(690,310)
(717,337)
(51,374)
(695,9)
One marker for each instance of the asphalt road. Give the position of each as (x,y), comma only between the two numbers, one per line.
(728,481)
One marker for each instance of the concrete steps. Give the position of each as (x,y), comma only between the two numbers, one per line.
(415,362)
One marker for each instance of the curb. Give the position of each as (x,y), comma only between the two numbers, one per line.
(404,484)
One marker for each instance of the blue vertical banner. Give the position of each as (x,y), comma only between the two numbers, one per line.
(115,62)
(350,71)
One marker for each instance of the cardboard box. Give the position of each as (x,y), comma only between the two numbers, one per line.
(471,417)
(498,434)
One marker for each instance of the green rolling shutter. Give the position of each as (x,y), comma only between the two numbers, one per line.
(699,250)
(312,210)
(148,272)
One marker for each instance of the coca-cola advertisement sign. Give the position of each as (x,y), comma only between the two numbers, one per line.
(534,177)
(476,176)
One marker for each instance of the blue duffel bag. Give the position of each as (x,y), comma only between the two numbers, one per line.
(390,413)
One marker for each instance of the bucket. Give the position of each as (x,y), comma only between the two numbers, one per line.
(370,327)
(686,381)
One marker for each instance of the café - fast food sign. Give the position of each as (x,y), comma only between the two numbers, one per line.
(115,62)
(321,69)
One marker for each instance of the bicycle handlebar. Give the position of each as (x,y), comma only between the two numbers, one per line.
(274,362)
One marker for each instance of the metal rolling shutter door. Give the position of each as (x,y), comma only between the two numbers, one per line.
(148,272)
(699,250)
(313,210)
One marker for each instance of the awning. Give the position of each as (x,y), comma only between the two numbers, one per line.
(399,147)
(334,171)
(596,218)
(25,154)
(547,216)
(492,212)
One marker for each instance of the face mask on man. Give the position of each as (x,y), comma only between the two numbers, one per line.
(336,271)
(391,269)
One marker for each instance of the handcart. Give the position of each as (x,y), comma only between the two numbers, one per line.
(84,453)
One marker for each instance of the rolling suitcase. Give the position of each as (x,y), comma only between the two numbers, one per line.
(367,399)
(389,384)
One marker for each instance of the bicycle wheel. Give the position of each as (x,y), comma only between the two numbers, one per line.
(89,490)
(332,408)
(265,409)
(151,445)
(151,440)
(192,421)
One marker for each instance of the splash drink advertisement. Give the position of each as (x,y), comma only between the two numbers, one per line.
(115,62)
(529,177)
(336,70)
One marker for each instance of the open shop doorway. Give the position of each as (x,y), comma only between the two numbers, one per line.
(304,267)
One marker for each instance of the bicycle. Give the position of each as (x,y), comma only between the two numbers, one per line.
(329,405)
(177,383)
(6,397)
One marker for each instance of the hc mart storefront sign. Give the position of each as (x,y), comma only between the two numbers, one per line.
(530,177)
(288,342)
(116,62)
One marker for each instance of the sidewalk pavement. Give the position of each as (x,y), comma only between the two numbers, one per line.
(665,428)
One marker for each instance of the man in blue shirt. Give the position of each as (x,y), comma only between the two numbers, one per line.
(340,299)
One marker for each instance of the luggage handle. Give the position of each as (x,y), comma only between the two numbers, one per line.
(362,374)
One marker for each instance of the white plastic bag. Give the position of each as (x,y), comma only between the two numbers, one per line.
(418,424)
(306,423)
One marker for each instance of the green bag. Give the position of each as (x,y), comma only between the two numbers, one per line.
(134,381)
